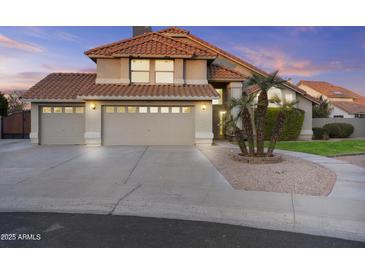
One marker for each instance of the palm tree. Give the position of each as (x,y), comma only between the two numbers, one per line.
(264,84)
(242,106)
(232,123)
(323,110)
(280,120)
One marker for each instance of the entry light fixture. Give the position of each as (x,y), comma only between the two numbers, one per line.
(204,107)
(93,106)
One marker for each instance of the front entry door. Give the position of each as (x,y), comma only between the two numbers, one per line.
(219,118)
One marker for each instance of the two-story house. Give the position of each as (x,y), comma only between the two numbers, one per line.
(158,88)
(345,103)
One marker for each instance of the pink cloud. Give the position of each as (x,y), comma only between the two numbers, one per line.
(286,64)
(57,68)
(11,43)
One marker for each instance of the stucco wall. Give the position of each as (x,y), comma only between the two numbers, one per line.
(306,105)
(338,111)
(358,123)
(196,71)
(112,71)
(203,118)
(34,124)
(179,71)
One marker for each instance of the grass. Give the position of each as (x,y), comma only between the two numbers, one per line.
(324,148)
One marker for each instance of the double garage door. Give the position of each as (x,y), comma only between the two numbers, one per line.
(148,125)
(121,125)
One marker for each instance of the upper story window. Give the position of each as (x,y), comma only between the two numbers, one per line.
(140,70)
(220,100)
(164,70)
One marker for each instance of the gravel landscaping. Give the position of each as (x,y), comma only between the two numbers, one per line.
(292,175)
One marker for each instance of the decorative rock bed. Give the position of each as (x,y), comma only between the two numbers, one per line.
(256,160)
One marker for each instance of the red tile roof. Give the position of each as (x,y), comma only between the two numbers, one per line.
(333,91)
(60,86)
(70,86)
(219,72)
(150,44)
(350,107)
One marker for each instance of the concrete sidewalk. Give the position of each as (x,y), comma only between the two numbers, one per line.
(172,182)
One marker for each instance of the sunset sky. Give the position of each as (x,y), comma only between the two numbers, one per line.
(333,54)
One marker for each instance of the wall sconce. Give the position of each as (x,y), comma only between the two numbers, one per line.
(204,107)
(93,106)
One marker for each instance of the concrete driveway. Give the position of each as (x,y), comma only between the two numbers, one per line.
(97,179)
(169,182)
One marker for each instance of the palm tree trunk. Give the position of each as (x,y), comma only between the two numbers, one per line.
(279,125)
(241,140)
(247,125)
(262,104)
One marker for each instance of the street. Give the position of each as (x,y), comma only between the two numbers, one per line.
(85,230)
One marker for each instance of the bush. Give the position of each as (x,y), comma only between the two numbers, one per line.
(292,126)
(3,105)
(320,133)
(339,130)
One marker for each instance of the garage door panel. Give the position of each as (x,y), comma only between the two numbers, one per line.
(62,128)
(148,128)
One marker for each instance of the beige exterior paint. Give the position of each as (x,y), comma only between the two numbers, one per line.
(62,128)
(179,71)
(203,132)
(196,72)
(34,124)
(306,105)
(335,110)
(112,71)
(148,128)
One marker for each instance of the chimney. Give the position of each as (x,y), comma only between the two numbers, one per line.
(141,30)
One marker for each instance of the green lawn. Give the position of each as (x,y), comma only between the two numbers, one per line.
(324,148)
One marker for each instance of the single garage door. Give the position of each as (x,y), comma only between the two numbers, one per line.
(148,125)
(62,125)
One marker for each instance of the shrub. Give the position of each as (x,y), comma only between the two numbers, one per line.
(339,130)
(3,105)
(292,126)
(320,133)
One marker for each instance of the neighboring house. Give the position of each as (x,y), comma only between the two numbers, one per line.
(159,88)
(345,103)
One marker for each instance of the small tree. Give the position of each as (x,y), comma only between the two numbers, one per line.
(242,107)
(280,120)
(264,83)
(323,110)
(3,105)
(15,103)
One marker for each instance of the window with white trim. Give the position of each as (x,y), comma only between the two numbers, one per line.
(109,109)
(142,109)
(175,110)
(132,109)
(57,110)
(186,109)
(218,101)
(153,109)
(46,110)
(69,110)
(164,71)
(164,109)
(121,109)
(79,110)
(140,70)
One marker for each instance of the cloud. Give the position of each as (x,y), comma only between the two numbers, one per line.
(58,68)
(7,42)
(65,36)
(270,59)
